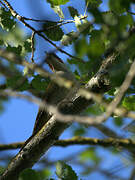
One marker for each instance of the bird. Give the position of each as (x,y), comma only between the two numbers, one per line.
(54,93)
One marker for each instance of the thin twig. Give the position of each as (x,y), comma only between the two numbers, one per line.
(61,117)
(126,83)
(3,5)
(20,18)
(85,92)
(47,136)
(61,23)
(108,142)
(32,46)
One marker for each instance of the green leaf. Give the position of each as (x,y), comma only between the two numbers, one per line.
(69,38)
(7,21)
(118,121)
(119,6)
(29,174)
(27,45)
(81,47)
(39,83)
(53,31)
(90,154)
(129,103)
(65,172)
(73,11)
(3,99)
(1,42)
(58,10)
(119,70)
(57,2)
(97,43)
(18,82)
(16,50)
(79,131)
(94,109)
(94,3)
(44,173)
(2,169)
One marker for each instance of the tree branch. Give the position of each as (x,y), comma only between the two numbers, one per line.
(78,140)
(50,132)
(22,19)
(12,57)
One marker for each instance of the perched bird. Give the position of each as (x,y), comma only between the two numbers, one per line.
(54,93)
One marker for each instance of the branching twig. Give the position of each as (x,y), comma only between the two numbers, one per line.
(20,18)
(34,67)
(126,83)
(108,142)
(48,135)
(88,95)
(3,4)
(32,46)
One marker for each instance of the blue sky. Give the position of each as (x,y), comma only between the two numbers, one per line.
(16,122)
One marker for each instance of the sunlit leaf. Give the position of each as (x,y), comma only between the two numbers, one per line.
(58,10)
(57,2)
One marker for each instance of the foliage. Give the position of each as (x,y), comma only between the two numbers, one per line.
(65,171)
(92,36)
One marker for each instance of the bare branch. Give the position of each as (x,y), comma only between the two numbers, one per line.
(78,140)
(11,146)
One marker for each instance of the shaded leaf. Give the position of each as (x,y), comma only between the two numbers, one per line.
(90,154)
(1,170)
(52,31)
(118,121)
(94,3)
(79,131)
(18,82)
(129,103)
(16,50)
(119,6)
(27,45)
(94,110)
(39,83)
(29,174)
(7,21)
(73,11)
(65,172)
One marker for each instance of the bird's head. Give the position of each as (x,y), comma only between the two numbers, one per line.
(55,63)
